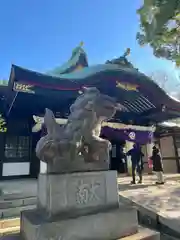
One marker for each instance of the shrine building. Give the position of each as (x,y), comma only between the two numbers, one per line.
(28,93)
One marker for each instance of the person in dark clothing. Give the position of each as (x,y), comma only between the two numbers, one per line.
(137,162)
(157,165)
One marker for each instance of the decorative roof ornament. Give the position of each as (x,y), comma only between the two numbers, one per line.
(78,49)
(122,60)
(77,61)
(81,44)
(127,52)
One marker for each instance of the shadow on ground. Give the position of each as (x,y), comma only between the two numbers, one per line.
(128,186)
(11,237)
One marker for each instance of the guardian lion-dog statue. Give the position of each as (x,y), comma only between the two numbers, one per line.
(77,146)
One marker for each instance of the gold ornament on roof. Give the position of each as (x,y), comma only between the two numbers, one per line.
(81,44)
(127,52)
(127,86)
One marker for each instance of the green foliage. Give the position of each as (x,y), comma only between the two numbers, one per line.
(3,127)
(160,28)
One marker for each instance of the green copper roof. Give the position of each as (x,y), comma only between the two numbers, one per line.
(3,82)
(76,53)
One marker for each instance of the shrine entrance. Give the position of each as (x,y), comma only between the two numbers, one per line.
(117,160)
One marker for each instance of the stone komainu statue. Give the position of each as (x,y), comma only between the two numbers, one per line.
(77,146)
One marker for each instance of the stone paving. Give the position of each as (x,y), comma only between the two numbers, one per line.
(11,237)
(162,200)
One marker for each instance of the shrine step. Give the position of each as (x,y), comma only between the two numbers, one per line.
(10,211)
(16,195)
(143,234)
(9,226)
(13,189)
(14,211)
(13,207)
(9,231)
(10,222)
(12,203)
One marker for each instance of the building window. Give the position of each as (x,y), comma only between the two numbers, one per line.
(17,147)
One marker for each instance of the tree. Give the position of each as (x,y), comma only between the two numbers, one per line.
(160,28)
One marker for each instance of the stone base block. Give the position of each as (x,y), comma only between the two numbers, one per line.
(76,166)
(143,234)
(110,225)
(80,193)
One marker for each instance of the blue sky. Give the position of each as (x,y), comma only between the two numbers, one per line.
(40,34)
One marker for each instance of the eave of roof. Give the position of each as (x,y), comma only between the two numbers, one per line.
(138,103)
(95,76)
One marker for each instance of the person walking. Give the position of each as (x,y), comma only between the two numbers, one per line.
(137,162)
(157,165)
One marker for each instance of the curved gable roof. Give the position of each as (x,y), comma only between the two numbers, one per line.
(140,95)
(78,60)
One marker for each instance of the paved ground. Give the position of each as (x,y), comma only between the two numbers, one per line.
(162,201)
(12,237)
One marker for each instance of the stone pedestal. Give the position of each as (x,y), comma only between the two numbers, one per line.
(78,206)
